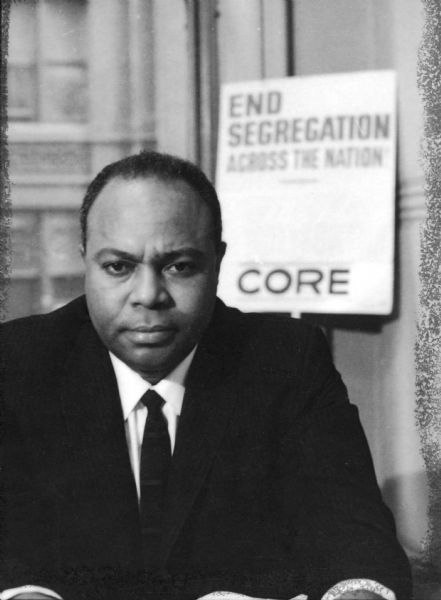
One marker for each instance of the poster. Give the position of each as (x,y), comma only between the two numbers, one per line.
(306,180)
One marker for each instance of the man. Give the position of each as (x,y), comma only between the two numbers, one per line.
(244,470)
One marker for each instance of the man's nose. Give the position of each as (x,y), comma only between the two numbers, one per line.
(149,288)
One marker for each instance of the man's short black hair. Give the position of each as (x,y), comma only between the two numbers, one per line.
(165,168)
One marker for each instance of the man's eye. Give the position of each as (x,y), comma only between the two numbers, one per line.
(181,268)
(117,268)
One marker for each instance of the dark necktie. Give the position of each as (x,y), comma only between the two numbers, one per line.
(155,464)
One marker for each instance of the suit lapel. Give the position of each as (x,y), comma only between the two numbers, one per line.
(92,411)
(209,401)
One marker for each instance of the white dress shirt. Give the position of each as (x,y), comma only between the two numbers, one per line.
(132,387)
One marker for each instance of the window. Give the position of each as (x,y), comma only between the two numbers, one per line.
(47,74)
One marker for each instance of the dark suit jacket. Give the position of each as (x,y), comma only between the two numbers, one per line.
(272,491)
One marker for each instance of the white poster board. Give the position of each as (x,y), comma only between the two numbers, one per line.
(306,180)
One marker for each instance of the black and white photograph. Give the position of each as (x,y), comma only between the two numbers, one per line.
(220,303)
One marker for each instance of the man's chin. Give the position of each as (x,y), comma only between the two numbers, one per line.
(151,363)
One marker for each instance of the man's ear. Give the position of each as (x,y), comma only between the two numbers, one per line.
(220,254)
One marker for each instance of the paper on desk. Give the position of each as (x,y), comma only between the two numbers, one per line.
(234,596)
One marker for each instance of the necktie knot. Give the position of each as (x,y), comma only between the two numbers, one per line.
(154,402)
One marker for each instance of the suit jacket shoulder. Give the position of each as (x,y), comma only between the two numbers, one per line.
(277,340)
(271,348)
(37,336)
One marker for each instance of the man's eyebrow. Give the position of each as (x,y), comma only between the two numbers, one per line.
(190,251)
(118,253)
(184,251)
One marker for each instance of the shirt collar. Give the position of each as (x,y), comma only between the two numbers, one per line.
(132,386)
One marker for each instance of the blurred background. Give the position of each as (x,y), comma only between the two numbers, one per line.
(90,81)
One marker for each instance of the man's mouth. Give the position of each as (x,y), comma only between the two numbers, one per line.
(154,335)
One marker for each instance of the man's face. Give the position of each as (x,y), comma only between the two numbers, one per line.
(151,271)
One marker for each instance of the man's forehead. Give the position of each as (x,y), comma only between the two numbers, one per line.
(149,199)
(131,213)
(123,184)
(170,199)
